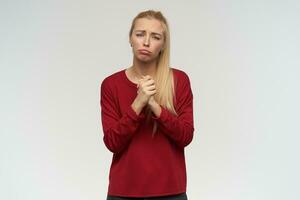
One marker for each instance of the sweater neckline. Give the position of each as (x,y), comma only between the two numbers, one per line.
(129,82)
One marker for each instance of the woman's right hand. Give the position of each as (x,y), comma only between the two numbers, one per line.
(146,89)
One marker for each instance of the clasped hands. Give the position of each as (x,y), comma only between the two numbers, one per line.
(146,91)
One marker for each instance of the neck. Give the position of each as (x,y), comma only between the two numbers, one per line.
(143,68)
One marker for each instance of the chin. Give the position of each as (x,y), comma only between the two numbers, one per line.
(144,59)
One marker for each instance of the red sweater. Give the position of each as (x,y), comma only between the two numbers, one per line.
(143,166)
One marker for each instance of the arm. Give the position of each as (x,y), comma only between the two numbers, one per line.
(117,130)
(179,128)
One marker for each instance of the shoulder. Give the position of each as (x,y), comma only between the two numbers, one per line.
(180,75)
(182,84)
(110,80)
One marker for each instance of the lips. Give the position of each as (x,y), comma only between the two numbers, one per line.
(144,51)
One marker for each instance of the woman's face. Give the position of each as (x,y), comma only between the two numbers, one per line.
(147,39)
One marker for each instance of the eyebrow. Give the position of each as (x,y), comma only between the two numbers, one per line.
(151,32)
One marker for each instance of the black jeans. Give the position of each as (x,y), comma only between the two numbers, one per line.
(181,196)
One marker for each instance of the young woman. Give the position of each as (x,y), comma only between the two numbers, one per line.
(147,117)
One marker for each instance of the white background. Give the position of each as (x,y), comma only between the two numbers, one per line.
(242,58)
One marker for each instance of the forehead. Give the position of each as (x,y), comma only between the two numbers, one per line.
(145,24)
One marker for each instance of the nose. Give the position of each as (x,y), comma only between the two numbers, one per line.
(146,41)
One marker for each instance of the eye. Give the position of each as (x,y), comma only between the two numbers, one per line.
(156,37)
(138,35)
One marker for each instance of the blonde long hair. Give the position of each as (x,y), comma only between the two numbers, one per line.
(164,79)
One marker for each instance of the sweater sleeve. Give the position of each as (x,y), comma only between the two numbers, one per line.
(179,128)
(118,130)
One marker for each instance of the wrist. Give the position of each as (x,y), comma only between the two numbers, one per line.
(137,107)
(155,107)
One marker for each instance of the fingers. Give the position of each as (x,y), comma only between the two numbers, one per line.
(146,80)
(150,88)
(146,77)
(146,84)
(151,93)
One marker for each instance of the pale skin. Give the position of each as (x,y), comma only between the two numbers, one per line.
(145,96)
(147,34)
